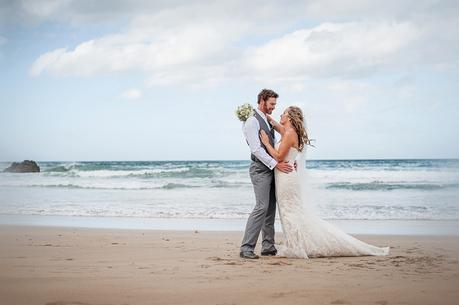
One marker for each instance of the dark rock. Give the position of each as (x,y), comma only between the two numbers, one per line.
(26,166)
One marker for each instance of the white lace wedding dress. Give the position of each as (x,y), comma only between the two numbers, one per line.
(305,234)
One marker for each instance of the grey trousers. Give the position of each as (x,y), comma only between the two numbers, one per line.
(263,215)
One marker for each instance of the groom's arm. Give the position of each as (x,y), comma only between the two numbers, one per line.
(251,130)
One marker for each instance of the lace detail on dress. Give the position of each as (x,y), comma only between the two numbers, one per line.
(306,235)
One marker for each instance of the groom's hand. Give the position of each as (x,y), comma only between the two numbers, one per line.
(284,167)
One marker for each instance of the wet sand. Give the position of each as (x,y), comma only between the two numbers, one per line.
(79,266)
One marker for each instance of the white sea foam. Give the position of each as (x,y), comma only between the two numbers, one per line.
(221,189)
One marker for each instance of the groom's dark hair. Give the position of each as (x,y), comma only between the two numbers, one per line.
(265,94)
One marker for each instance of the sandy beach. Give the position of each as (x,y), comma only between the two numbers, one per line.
(70,266)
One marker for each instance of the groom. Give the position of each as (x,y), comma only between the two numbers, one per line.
(262,177)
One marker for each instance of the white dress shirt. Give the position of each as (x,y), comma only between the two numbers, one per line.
(251,129)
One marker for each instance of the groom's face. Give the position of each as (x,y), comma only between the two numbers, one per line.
(269,105)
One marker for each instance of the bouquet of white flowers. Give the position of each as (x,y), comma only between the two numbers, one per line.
(244,112)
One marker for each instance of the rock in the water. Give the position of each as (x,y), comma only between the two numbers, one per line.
(26,166)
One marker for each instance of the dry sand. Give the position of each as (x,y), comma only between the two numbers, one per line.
(78,266)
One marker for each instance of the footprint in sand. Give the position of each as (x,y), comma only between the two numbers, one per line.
(279,263)
(215,258)
(339,301)
(278,294)
(66,303)
(233,263)
(225,261)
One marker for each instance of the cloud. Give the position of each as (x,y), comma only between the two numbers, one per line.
(42,8)
(200,44)
(331,49)
(84,12)
(3,41)
(131,94)
(199,51)
(271,13)
(45,60)
(170,44)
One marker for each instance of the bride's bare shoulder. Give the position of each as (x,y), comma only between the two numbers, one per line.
(290,134)
(292,137)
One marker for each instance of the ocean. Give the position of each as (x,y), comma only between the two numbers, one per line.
(338,189)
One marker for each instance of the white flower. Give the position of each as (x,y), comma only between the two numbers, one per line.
(244,112)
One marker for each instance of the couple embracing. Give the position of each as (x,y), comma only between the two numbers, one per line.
(277,177)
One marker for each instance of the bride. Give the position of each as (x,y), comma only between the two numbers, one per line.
(306,235)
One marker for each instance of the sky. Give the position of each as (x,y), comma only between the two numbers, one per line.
(160,80)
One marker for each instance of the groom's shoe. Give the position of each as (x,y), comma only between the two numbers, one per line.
(269,253)
(248,254)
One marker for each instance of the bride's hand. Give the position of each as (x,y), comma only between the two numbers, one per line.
(270,119)
(264,137)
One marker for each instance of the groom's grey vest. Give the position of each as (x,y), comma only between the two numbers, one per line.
(269,132)
(264,213)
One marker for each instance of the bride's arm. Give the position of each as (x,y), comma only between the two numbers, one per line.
(287,141)
(278,127)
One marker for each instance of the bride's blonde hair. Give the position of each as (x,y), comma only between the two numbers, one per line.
(297,120)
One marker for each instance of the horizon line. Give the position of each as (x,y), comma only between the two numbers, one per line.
(234,160)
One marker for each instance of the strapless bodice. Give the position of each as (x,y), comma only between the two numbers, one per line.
(291,155)
(305,234)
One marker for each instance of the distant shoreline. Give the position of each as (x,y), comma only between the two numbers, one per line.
(366,227)
(241,160)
